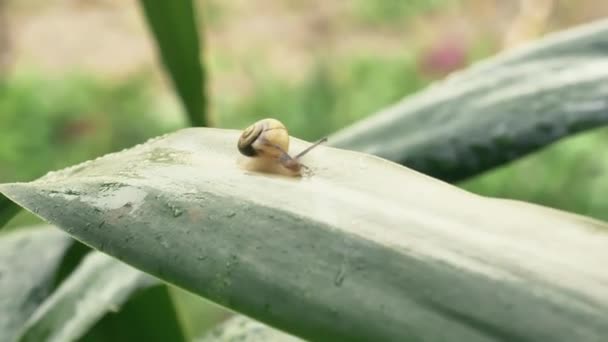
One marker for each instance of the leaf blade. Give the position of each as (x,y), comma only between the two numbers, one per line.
(25,281)
(8,210)
(496,111)
(298,253)
(99,286)
(173,25)
(241,328)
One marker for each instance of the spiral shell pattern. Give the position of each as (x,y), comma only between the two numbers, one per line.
(250,134)
(262,139)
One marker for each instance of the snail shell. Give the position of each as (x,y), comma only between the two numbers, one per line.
(268,141)
(262,138)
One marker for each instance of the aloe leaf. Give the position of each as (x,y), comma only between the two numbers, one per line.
(8,209)
(173,24)
(99,286)
(358,249)
(496,111)
(30,260)
(244,329)
(148,315)
(42,298)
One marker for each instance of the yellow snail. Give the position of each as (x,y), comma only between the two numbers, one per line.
(268,141)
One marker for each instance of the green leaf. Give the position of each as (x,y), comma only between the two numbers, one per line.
(30,260)
(241,328)
(496,111)
(173,25)
(197,315)
(359,249)
(8,209)
(34,259)
(570,175)
(101,285)
(149,315)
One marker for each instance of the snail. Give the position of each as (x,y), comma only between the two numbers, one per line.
(268,142)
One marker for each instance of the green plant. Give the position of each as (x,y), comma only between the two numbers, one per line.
(69,120)
(395,242)
(570,175)
(357,250)
(173,24)
(331,95)
(452,131)
(390,11)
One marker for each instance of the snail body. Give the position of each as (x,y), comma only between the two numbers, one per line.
(268,141)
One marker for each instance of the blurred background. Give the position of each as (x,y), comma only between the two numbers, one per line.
(81,78)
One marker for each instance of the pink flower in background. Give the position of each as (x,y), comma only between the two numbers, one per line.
(442,58)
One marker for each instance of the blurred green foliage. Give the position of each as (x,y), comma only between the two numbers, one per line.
(392,11)
(331,96)
(571,175)
(49,124)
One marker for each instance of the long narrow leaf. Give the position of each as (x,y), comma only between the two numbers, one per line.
(496,111)
(98,286)
(360,249)
(149,315)
(8,209)
(33,260)
(173,24)
(241,328)
(30,260)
